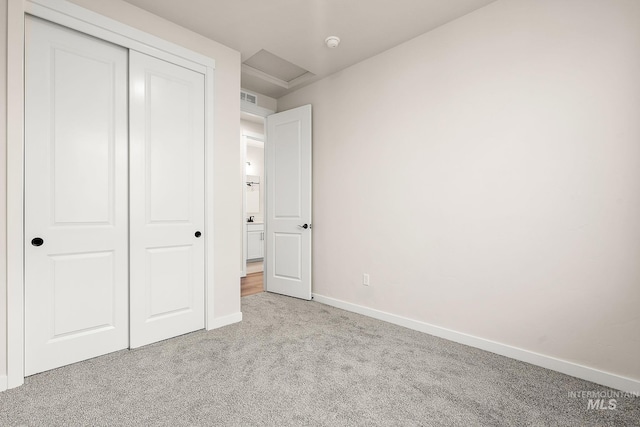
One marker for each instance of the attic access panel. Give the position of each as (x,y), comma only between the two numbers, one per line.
(275,66)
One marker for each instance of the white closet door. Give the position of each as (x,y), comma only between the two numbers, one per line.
(167,199)
(76,261)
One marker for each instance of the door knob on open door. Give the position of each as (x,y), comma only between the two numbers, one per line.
(305,226)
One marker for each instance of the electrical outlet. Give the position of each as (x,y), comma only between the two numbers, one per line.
(365,279)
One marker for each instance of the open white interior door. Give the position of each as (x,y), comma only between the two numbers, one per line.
(288,204)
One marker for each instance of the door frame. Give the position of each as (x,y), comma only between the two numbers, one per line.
(83,20)
(247,107)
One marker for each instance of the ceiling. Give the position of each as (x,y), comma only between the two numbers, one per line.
(292,32)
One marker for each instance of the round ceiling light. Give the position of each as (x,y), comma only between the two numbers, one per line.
(332,42)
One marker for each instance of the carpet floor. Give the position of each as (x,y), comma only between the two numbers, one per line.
(300,363)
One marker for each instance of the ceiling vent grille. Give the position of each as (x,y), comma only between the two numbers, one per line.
(248,97)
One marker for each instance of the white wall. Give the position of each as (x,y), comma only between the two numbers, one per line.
(264,101)
(487,176)
(252,127)
(227,202)
(255,155)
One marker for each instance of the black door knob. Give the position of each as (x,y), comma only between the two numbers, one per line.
(37,241)
(198,234)
(305,226)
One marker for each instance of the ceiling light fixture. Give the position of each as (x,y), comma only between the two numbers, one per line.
(332,42)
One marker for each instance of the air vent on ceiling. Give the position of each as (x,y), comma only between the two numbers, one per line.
(248,97)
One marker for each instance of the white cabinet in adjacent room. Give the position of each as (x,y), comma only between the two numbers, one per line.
(255,241)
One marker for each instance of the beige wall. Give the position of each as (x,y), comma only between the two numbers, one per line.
(255,155)
(3,188)
(487,176)
(227,201)
(264,101)
(246,125)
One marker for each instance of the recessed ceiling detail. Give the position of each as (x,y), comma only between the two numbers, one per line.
(276,70)
(295,30)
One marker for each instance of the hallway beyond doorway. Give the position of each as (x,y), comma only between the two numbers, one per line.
(252,284)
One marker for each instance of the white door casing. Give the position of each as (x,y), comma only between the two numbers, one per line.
(167,199)
(288,205)
(76,281)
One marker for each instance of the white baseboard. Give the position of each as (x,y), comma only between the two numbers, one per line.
(224,321)
(3,383)
(563,366)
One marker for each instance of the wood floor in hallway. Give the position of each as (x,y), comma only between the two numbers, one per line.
(252,284)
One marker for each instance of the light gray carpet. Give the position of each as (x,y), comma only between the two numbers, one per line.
(292,362)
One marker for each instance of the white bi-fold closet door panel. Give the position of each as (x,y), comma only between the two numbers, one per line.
(114,196)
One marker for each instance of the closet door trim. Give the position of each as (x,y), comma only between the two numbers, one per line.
(86,21)
(77,18)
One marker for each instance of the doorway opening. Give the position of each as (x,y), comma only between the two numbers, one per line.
(279,233)
(253,236)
